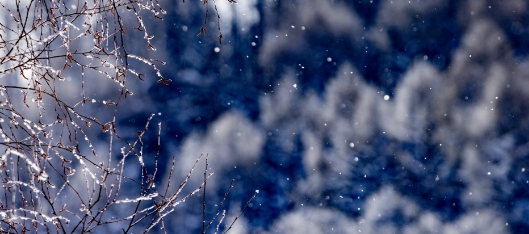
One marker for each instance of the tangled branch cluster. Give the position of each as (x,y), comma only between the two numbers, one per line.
(54,178)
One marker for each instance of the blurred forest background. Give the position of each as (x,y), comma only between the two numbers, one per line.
(388,116)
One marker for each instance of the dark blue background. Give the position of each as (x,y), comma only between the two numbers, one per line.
(200,92)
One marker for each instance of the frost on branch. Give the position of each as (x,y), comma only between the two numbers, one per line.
(65,167)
